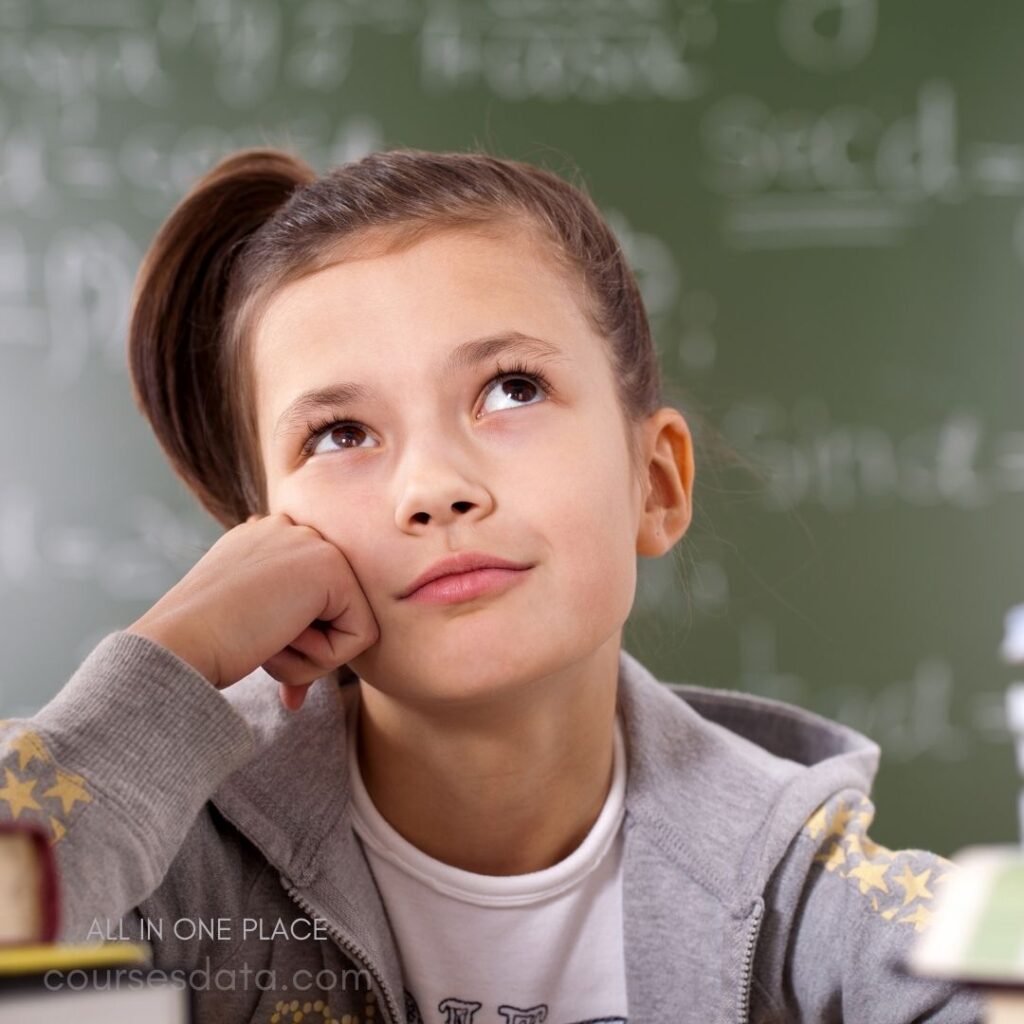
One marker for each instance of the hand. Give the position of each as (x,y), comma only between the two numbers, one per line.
(269,592)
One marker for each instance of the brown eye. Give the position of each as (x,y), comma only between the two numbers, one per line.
(515,386)
(345,432)
(520,388)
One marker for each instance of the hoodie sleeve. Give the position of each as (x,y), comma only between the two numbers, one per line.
(844,912)
(116,768)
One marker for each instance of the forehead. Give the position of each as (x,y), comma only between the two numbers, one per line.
(367,284)
(410,307)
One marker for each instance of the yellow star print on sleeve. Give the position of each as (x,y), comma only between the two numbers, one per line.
(853,909)
(899,886)
(34,787)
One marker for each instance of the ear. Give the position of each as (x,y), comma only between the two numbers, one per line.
(668,502)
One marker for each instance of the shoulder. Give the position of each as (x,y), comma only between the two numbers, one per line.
(842,912)
(732,776)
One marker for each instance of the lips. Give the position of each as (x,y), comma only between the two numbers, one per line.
(464,562)
(458,587)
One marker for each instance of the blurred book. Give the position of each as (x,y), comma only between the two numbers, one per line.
(161,1003)
(90,983)
(976,935)
(42,981)
(29,910)
(17,962)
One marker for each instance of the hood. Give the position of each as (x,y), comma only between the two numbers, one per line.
(752,770)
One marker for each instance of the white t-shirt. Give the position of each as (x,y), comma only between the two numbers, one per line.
(546,946)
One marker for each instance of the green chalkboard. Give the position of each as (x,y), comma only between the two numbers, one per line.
(824,200)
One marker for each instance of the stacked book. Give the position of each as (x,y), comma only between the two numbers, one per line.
(41,979)
(977,934)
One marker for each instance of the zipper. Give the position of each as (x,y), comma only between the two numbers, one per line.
(356,952)
(747,970)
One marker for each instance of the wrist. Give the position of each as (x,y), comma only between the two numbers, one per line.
(179,644)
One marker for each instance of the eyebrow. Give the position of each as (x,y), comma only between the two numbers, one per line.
(464,356)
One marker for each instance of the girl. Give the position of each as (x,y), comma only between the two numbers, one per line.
(421,396)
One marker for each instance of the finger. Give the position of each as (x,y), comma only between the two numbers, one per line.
(347,611)
(355,621)
(292,697)
(327,646)
(315,647)
(291,667)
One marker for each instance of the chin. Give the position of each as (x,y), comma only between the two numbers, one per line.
(461,678)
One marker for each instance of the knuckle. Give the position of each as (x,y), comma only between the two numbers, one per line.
(310,534)
(318,665)
(278,669)
(329,552)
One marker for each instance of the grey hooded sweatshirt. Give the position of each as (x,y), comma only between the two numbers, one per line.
(216,826)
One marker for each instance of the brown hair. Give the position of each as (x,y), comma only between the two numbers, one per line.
(262,218)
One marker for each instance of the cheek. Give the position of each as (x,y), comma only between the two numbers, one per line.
(591,483)
(323,494)
(589,515)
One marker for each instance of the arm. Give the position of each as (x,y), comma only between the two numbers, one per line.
(844,914)
(116,767)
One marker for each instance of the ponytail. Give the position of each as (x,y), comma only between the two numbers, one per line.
(185,381)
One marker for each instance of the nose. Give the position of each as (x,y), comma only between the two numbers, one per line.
(439,493)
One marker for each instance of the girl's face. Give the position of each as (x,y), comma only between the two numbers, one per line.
(436,457)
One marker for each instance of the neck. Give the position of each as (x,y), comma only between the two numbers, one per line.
(499,788)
